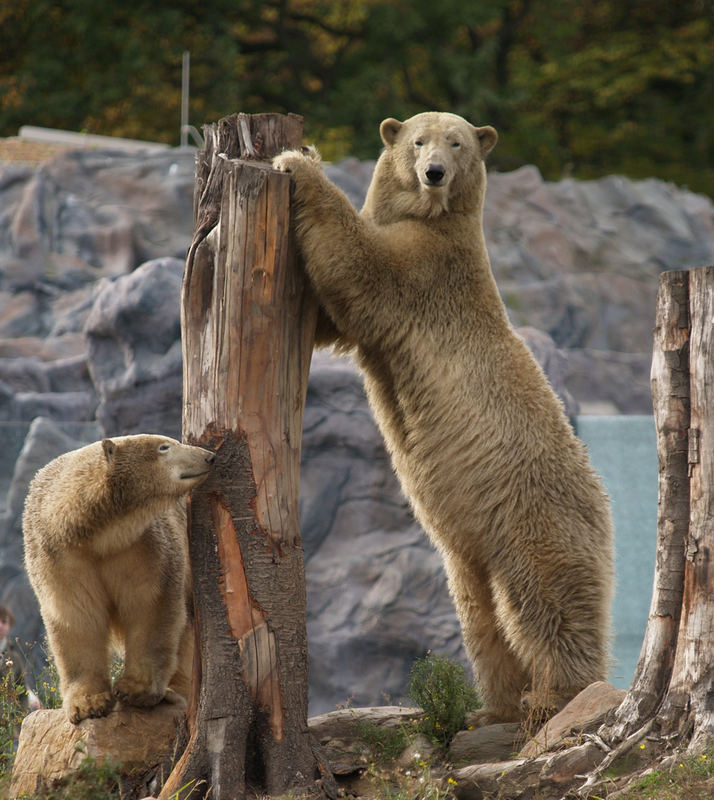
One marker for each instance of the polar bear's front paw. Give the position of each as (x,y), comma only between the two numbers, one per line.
(80,704)
(137,692)
(291,160)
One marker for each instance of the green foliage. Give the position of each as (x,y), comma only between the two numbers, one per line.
(690,777)
(384,744)
(11,714)
(416,782)
(439,686)
(13,708)
(620,100)
(47,682)
(589,88)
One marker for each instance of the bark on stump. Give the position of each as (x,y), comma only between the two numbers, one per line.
(248,322)
(672,694)
(670,398)
(688,709)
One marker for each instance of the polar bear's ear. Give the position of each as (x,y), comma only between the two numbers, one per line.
(389,129)
(487,138)
(109,449)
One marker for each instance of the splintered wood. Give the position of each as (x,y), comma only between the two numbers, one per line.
(248,323)
(671,691)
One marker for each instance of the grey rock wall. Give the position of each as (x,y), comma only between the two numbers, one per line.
(91,257)
(133,335)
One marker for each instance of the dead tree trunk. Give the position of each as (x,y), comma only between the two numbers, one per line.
(672,694)
(688,708)
(248,322)
(670,398)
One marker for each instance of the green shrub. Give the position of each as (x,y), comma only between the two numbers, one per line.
(440,687)
(384,744)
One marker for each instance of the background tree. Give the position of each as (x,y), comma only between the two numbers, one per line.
(585,88)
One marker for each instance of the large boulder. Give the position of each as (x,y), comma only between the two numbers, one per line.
(88,214)
(584,713)
(45,441)
(377,596)
(139,742)
(134,348)
(615,234)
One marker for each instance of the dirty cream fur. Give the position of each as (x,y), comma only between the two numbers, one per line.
(106,553)
(477,437)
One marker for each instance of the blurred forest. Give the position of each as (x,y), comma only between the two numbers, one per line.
(577,87)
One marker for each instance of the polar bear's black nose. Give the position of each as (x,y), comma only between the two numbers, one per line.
(434,173)
(210,457)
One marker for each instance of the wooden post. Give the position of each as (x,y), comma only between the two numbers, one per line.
(672,694)
(689,706)
(670,399)
(248,322)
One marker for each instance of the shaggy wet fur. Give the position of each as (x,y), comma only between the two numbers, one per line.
(106,552)
(477,437)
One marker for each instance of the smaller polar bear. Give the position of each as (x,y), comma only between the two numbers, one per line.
(478,439)
(106,552)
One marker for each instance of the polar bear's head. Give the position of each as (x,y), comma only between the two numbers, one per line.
(146,466)
(436,160)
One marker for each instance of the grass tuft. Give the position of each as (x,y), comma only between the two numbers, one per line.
(94,779)
(690,778)
(384,744)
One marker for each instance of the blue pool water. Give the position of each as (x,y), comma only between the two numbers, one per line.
(623,450)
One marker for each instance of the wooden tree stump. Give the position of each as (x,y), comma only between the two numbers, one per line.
(689,706)
(670,396)
(248,322)
(672,695)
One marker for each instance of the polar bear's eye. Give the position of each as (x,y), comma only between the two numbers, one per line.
(456,144)
(418,143)
(164,448)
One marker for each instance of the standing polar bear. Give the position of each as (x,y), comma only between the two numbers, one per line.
(477,437)
(107,555)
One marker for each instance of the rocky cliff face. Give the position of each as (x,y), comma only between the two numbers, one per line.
(91,256)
